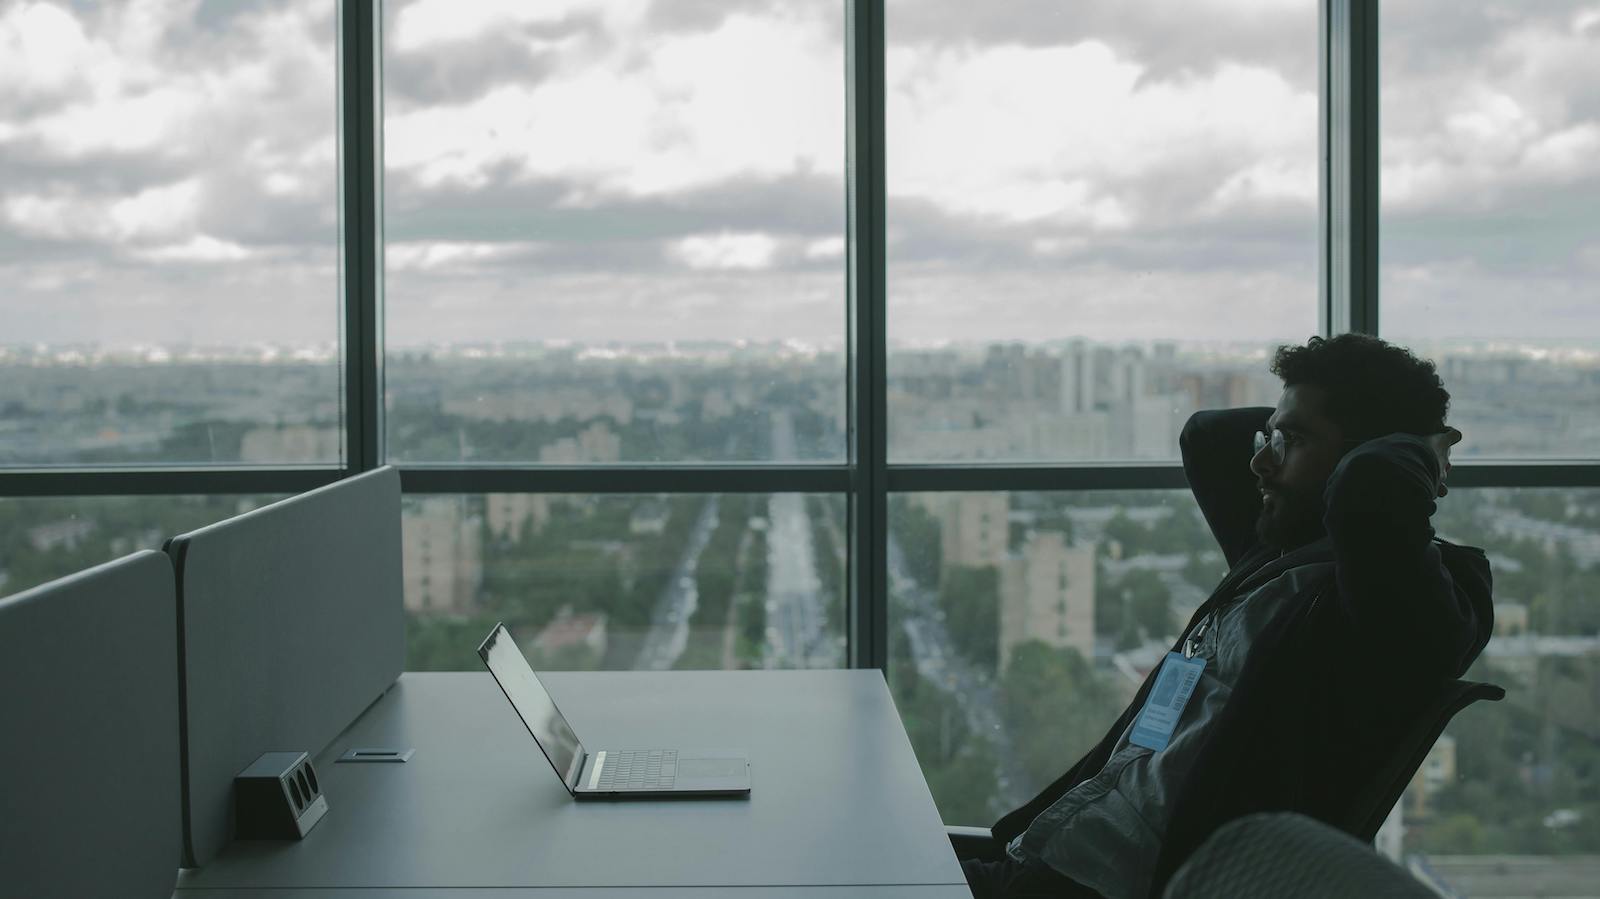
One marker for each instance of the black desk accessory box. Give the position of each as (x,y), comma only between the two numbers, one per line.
(277,798)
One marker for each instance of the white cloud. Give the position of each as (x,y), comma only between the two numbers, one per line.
(1501,121)
(443,254)
(1573,151)
(200,248)
(154,214)
(1041,133)
(757,97)
(1275,180)
(726,251)
(139,78)
(158,211)
(42,49)
(146,122)
(825,248)
(1586,20)
(1058,246)
(430,22)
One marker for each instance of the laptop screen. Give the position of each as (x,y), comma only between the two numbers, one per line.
(532,702)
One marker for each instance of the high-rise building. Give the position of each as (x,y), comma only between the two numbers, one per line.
(1437,771)
(974,527)
(510,515)
(1047,594)
(443,555)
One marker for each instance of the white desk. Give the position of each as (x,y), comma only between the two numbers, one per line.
(838,805)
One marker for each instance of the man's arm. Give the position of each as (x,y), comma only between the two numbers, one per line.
(1393,584)
(1216,448)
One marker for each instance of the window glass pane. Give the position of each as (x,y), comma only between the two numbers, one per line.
(1021,625)
(42,539)
(1490,235)
(625,581)
(615,231)
(1518,781)
(1100,214)
(169,255)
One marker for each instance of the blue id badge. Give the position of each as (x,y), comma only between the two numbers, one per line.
(1155,723)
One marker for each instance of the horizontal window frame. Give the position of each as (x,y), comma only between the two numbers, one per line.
(165,480)
(565,479)
(735,478)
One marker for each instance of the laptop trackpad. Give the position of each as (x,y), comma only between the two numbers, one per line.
(702,768)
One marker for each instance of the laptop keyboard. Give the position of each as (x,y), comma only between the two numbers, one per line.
(641,770)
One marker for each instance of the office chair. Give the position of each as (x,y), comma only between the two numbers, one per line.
(1366,812)
(1285,854)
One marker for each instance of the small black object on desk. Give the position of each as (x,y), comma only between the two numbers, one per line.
(277,798)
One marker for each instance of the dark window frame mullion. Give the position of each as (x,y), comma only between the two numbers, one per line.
(361,226)
(1350,165)
(866,339)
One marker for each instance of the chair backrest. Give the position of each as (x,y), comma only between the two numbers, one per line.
(1266,856)
(89,734)
(291,623)
(1369,810)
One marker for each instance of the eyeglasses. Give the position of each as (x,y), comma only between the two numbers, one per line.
(1277,440)
(1281,442)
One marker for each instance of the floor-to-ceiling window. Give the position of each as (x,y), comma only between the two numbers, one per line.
(612,290)
(1490,265)
(1101,218)
(169,264)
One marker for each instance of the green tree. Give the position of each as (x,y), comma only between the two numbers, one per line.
(1055,707)
(959,766)
(919,535)
(1149,603)
(436,643)
(970,598)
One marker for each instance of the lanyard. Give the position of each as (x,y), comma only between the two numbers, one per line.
(1191,644)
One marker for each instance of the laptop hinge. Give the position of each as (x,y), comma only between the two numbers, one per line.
(594,772)
(576,774)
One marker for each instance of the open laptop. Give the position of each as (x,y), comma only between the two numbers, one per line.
(607,774)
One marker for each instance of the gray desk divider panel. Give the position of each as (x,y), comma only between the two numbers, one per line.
(89,701)
(291,623)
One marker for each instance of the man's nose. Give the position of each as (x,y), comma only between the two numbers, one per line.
(1263,462)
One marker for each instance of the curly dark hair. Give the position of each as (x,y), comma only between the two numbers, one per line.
(1373,387)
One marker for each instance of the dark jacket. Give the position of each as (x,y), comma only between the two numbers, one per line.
(1343,668)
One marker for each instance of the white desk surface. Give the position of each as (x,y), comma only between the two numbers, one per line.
(838,805)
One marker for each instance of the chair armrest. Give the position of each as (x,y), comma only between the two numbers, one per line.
(975,842)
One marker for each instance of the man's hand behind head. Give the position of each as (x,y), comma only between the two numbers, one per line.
(1440,443)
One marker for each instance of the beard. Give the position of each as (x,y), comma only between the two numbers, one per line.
(1290,520)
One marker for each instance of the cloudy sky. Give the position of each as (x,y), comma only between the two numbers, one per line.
(605,170)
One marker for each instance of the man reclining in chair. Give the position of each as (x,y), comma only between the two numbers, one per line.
(1340,618)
